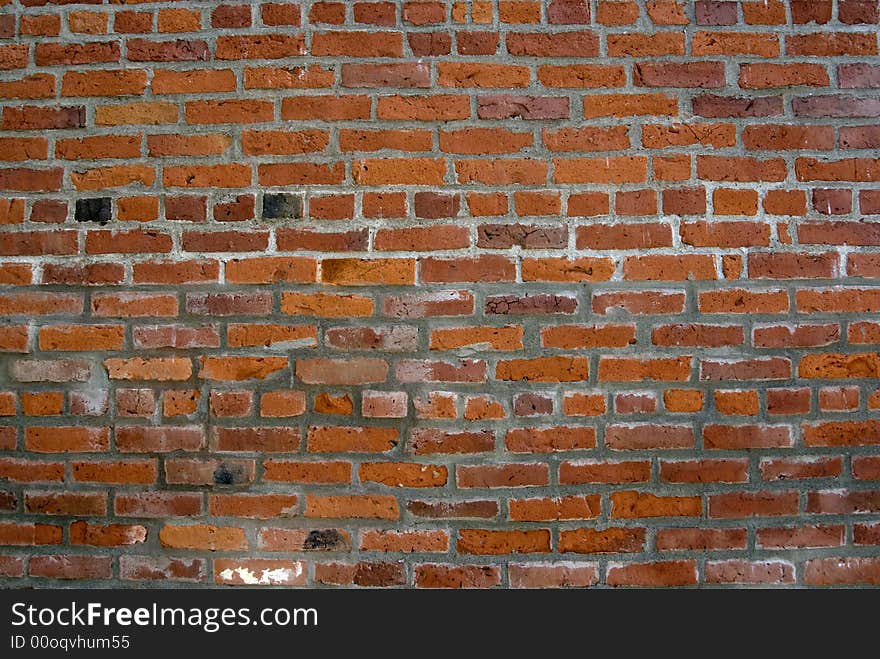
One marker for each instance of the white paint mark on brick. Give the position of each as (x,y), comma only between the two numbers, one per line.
(267,577)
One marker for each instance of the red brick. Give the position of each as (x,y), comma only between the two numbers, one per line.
(700,539)
(842,571)
(70,567)
(754,572)
(671,573)
(491,542)
(430,441)
(352,506)
(307,472)
(577,472)
(510,475)
(648,436)
(552,575)
(451,576)
(561,44)
(357,44)
(704,471)
(752,504)
(635,505)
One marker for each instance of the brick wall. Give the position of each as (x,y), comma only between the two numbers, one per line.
(486,294)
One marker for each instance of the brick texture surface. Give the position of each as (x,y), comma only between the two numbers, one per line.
(439,294)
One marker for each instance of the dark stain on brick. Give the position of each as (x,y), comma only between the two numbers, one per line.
(8,502)
(328,539)
(282,206)
(93,210)
(227,475)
